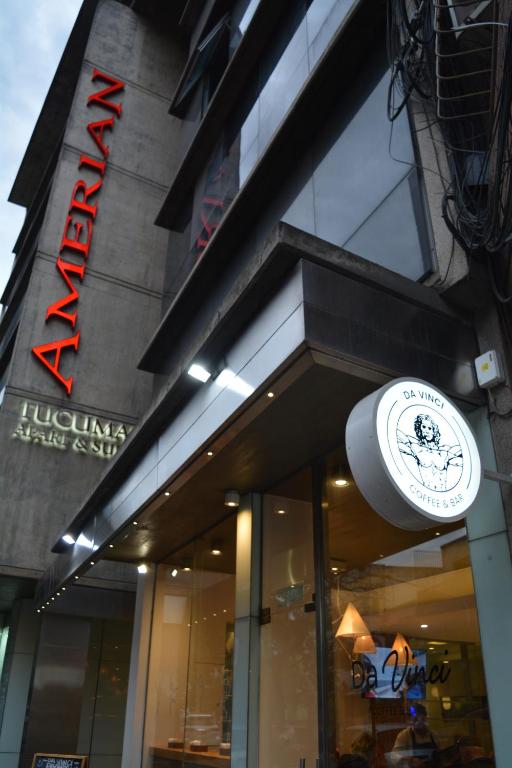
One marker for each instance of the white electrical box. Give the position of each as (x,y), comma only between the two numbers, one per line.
(489,370)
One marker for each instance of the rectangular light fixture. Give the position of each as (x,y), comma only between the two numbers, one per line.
(199,373)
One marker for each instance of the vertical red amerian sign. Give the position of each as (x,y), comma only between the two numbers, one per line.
(77,235)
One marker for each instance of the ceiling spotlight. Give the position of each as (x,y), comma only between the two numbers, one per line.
(231,498)
(341,482)
(280,511)
(187,569)
(174,572)
(335,569)
(167,493)
(52,598)
(142,568)
(216,548)
(92,562)
(424,626)
(68,538)
(270,394)
(76,578)
(135,522)
(111,546)
(63,589)
(209,453)
(437,533)
(199,373)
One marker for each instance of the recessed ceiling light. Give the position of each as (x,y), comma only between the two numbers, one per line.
(209,453)
(76,578)
(111,546)
(167,493)
(334,569)
(135,522)
(270,394)
(52,598)
(174,572)
(341,482)
(437,533)
(231,498)
(39,610)
(92,562)
(224,610)
(58,594)
(199,373)
(216,551)
(424,626)
(187,568)
(281,511)
(63,589)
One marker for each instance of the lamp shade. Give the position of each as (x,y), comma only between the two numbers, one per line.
(364,644)
(403,649)
(352,624)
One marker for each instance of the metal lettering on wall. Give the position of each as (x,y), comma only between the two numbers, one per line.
(67,430)
(78,229)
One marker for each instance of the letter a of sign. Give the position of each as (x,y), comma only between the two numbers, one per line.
(57,347)
(99,98)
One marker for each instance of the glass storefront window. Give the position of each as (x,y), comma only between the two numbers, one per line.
(288,673)
(408,675)
(190,683)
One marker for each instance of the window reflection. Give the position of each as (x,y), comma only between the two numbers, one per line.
(409,681)
(189,700)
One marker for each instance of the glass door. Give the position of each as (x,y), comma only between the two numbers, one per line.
(288,727)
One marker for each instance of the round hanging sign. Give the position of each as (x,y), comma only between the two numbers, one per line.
(413,455)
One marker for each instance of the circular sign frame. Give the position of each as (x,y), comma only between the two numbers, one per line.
(413,455)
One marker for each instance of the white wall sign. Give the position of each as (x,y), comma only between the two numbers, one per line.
(67,430)
(413,455)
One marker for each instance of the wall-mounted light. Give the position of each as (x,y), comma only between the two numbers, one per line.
(199,373)
(68,539)
(228,379)
(142,568)
(231,498)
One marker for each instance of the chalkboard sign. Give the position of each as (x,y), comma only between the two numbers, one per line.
(44,760)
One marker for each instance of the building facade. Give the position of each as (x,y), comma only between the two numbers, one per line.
(243,218)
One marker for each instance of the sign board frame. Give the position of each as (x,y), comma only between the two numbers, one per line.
(413,455)
(83,758)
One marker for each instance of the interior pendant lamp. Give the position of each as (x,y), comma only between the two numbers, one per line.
(364,644)
(352,624)
(404,651)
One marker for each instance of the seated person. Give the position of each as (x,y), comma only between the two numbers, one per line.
(415,746)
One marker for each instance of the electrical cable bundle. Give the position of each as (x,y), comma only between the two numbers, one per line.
(472,92)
